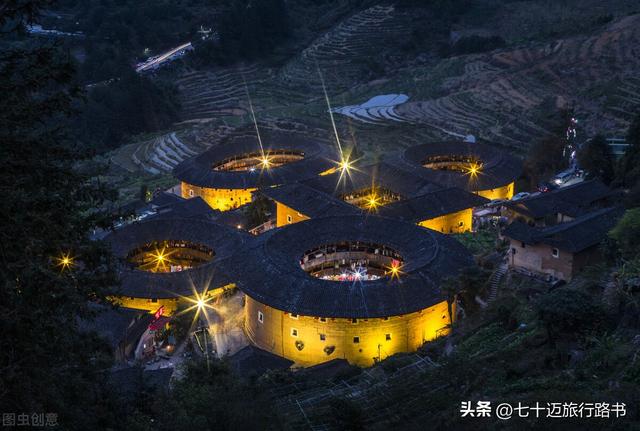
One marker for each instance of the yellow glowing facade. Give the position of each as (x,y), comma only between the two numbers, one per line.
(170,304)
(311,340)
(146,304)
(457,222)
(504,192)
(218,199)
(286,215)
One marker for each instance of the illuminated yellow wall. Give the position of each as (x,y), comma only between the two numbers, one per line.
(284,214)
(146,304)
(504,192)
(170,304)
(219,199)
(457,222)
(406,333)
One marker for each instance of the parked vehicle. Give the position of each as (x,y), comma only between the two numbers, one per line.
(496,203)
(520,195)
(562,178)
(546,187)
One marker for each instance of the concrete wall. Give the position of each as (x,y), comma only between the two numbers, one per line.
(283,212)
(170,304)
(406,333)
(219,199)
(504,192)
(539,259)
(146,304)
(451,223)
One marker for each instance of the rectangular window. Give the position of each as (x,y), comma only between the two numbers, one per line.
(289,219)
(294,332)
(555,252)
(356,340)
(387,337)
(323,319)
(260,317)
(354,320)
(522,244)
(191,192)
(293,316)
(323,337)
(154,300)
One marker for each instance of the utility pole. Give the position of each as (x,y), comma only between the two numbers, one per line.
(206,348)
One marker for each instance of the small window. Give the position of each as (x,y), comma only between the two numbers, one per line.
(356,340)
(323,319)
(260,317)
(460,224)
(289,219)
(323,337)
(555,252)
(294,332)
(154,300)
(354,320)
(293,316)
(513,251)
(522,244)
(387,337)
(191,192)
(385,318)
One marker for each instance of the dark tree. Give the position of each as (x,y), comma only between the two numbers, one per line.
(628,174)
(626,234)
(596,159)
(567,312)
(547,155)
(49,269)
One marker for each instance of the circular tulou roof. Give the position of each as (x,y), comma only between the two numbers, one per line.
(199,171)
(223,240)
(271,271)
(499,168)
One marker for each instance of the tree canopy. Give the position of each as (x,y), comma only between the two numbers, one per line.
(49,269)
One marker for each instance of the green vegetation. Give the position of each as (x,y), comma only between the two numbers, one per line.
(596,159)
(626,234)
(546,156)
(48,210)
(248,30)
(132,105)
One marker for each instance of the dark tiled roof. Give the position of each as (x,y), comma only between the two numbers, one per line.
(165,198)
(310,202)
(317,203)
(498,167)
(574,236)
(186,208)
(271,271)
(431,205)
(115,325)
(384,175)
(223,240)
(251,359)
(572,200)
(199,171)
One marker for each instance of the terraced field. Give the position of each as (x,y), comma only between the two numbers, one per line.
(506,96)
(205,95)
(158,155)
(499,96)
(344,54)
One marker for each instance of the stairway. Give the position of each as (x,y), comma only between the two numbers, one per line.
(494,281)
